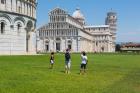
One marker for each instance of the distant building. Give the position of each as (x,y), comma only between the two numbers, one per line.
(65,31)
(17,26)
(130,47)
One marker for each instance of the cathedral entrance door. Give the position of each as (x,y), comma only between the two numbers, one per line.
(47,48)
(57,46)
(69,46)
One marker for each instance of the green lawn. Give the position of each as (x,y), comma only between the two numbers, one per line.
(107,73)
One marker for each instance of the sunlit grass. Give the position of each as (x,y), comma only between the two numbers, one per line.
(107,73)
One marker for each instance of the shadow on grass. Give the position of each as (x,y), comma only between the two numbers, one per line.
(62,71)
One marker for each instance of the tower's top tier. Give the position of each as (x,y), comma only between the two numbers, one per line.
(23,7)
(111,13)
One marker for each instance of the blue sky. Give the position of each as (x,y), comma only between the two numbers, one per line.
(128,12)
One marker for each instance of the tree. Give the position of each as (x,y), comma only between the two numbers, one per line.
(118,47)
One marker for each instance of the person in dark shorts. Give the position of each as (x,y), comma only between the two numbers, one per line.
(67,61)
(52,60)
(84,63)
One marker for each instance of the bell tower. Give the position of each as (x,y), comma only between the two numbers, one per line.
(111,20)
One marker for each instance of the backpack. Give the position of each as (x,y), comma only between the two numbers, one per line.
(67,56)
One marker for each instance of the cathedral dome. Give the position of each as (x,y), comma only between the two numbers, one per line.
(77,14)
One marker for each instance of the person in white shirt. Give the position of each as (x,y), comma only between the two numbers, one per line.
(84,63)
(52,60)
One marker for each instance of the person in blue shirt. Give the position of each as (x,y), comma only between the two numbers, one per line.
(67,61)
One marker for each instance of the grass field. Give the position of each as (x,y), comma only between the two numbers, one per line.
(107,73)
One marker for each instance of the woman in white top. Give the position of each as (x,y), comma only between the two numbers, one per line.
(51,60)
(84,63)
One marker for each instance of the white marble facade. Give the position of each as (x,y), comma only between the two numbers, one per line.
(65,31)
(17,27)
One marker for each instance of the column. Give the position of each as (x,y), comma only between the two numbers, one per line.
(32,43)
(63,42)
(54,44)
(51,44)
(74,44)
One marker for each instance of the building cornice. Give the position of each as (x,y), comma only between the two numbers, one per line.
(13,13)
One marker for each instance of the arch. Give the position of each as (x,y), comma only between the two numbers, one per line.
(47,40)
(6,22)
(19,18)
(6,17)
(69,41)
(19,22)
(18,25)
(58,39)
(29,24)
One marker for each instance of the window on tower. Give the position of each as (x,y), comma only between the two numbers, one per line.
(2,1)
(19,9)
(2,27)
(19,27)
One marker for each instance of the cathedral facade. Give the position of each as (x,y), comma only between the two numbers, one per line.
(17,26)
(70,32)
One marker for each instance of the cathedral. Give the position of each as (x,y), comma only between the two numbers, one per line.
(65,31)
(17,27)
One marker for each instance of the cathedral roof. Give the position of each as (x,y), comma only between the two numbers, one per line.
(96,26)
(77,14)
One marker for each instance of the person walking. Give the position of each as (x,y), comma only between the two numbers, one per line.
(67,61)
(83,63)
(52,60)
